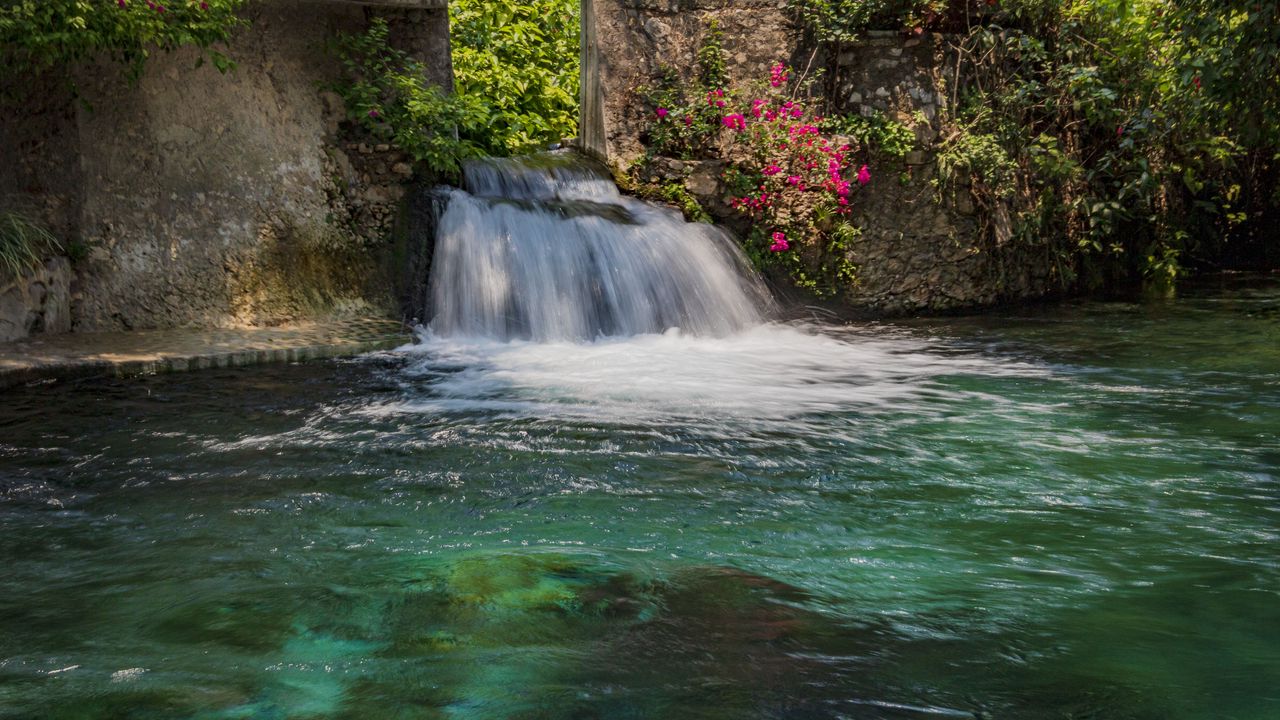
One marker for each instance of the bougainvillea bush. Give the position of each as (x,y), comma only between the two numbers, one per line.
(793,180)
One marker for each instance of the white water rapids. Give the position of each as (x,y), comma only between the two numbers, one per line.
(550,251)
(555,296)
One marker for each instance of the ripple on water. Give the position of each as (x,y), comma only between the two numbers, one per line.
(1068,515)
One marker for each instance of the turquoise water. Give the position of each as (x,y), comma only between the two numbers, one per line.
(1065,512)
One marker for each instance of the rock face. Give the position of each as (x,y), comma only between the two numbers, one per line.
(36,302)
(207,199)
(921,250)
(627,42)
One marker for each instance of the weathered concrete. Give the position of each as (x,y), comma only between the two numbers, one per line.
(147,352)
(196,198)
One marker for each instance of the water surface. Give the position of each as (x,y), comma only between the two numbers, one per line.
(1068,512)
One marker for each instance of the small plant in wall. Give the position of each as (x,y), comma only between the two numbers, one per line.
(791,178)
(24,244)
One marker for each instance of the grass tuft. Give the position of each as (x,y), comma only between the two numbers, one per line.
(24,244)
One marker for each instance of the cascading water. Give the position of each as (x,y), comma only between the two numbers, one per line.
(554,295)
(545,248)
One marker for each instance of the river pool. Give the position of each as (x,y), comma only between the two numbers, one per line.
(1063,512)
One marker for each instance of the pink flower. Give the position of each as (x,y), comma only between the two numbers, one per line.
(662,113)
(772,170)
(374,113)
(735,122)
(756,106)
(777,75)
(864,175)
(688,120)
(120,3)
(780,243)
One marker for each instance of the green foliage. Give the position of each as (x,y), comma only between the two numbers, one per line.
(387,94)
(781,171)
(676,194)
(521,60)
(1142,134)
(516,76)
(886,136)
(673,193)
(979,161)
(712,71)
(36,34)
(24,244)
(846,20)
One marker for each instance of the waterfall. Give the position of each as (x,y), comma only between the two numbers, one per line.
(546,248)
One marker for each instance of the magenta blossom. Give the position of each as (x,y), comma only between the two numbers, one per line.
(780,243)
(777,75)
(374,113)
(772,170)
(662,113)
(735,122)
(864,175)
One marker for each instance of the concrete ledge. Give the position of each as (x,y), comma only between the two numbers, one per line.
(149,352)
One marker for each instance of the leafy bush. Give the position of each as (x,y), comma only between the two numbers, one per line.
(521,60)
(36,34)
(387,94)
(782,170)
(1137,136)
(1143,133)
(516,76)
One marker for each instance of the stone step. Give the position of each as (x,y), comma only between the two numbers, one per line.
(147,352)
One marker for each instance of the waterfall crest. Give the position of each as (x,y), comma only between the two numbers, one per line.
(546,248)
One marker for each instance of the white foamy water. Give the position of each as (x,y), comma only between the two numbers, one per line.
(554,296)
(768,372)
(555,253)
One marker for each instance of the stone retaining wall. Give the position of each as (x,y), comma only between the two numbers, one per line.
(196,198)
(921,250)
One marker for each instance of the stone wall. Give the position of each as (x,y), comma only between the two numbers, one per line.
(924,248)
(196,198)
(634,39)
(39,301)
(921,250)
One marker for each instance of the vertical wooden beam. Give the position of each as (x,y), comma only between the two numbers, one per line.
(591,131)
